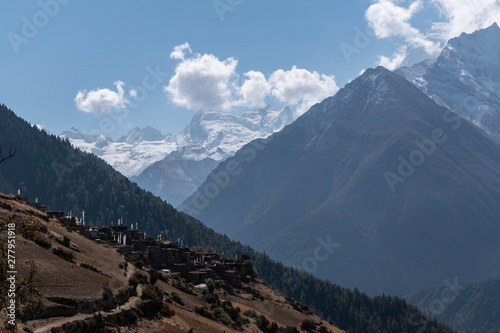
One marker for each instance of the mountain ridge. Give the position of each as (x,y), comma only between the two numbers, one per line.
(66,178)
(209,134)
(326,175)
(465,306)
(466,78)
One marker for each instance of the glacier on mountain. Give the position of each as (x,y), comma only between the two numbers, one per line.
(210,134)
(465,77)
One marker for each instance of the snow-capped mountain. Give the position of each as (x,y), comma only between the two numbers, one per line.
(418,70)
(146,134)
(219,135)
(210,137)
(466,78)
(130,154)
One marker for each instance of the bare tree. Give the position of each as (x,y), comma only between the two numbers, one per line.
(11,154)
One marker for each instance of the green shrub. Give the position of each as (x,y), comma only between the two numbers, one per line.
(66,255)
(221,316)
(272,328)
(210,285)
(90,267)
(66,241)
(250,313)
(249,270)
(143,279)
(150,292)
(138,278)
(288,329)
(308,325)
(176,298)
(154,275)
(232,312)
(262,323)
(211,298)
(42,241)
(203,312)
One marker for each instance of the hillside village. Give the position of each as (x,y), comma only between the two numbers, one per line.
(194,265)
(115,279)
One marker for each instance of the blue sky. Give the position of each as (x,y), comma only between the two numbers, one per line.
(240,55)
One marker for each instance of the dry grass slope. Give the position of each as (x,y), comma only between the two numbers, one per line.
(68,290)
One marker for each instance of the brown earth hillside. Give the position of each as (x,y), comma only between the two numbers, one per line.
(128,299)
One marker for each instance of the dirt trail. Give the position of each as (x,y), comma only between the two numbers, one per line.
(45,325)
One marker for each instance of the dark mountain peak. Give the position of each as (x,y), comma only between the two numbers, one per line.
(377,85)
(380,81)
(329,175)
(377,93)
(379,71)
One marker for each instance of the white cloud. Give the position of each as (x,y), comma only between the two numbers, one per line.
(179,51)
(254,90)
(205,82)
(468,15)
(202,82)
(102,100)
(388,19)
(397,59)
(301,87)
